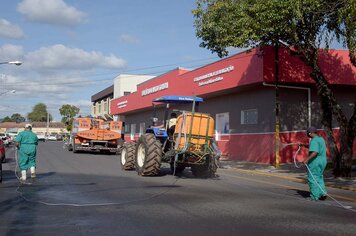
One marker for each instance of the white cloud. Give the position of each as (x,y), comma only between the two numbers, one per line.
(129,39)
(57,87)
(54,91)
(9,30)
(10,52)
(62,57)
(51,12)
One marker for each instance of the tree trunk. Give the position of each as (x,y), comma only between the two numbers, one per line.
(343,158)
(327,124)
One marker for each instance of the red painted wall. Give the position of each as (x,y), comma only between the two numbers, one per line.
(260,148)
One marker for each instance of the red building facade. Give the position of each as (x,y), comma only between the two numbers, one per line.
(239,93)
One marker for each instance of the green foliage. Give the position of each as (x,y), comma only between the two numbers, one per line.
(39,113)
(68,111)
(6,119)
(18,118)
(302,24)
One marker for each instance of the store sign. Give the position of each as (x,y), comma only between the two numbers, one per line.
(122,104)
(213,74)
(154,89)
(210,81)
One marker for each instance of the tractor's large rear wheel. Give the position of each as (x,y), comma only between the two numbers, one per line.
(148,155)
(206,170)
(128,156)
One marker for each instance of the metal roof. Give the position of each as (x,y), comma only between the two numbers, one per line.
(103,94)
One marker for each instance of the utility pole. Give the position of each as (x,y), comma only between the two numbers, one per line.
(277,107)
(47,123)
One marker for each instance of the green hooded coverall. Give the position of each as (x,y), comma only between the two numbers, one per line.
(317,166)
(28,142)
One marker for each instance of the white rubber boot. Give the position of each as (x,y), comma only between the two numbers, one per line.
(33,172)
(23,175)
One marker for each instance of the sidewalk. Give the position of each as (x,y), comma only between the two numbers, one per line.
(290,172)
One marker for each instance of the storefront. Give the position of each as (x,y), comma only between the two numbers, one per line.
(239,92)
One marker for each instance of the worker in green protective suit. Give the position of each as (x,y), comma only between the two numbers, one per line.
(316,163)
(27,142)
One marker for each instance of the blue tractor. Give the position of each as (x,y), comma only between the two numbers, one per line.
(183,141)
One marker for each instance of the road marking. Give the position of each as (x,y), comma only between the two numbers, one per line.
(271,175)
(288,187)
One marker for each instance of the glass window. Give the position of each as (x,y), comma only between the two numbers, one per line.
(127,128)
(249,117)
(222,123)
(142,128)
(133,131)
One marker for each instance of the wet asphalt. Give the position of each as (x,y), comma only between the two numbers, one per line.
(89,194)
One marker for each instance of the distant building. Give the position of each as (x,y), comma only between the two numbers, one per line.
(124,84)
(101,103)
(37,127)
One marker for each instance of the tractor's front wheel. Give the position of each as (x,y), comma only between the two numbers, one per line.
(148,155)
(128,156)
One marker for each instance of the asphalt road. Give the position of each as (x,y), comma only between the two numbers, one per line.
(89,194)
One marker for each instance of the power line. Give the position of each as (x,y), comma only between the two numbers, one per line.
(90,82)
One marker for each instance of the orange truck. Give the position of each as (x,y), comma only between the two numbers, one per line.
(90,134)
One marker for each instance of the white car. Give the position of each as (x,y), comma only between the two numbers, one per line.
(52,138)
(41,137)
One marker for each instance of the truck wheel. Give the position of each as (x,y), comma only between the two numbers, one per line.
(74,148)
(206,170)
(148,155)
(69,147)
(128,156)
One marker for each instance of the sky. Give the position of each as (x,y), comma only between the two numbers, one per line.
(72,49)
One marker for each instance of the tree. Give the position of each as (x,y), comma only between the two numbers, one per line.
(303,25)
(68,112)
(39,113)
(18,118)
(6,119)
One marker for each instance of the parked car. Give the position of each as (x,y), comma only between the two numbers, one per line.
(2,151)
(52,138)
(41,137)
(59,137)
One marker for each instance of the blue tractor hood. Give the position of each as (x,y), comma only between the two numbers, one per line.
(178,99)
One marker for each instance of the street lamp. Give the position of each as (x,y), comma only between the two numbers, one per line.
(17,63)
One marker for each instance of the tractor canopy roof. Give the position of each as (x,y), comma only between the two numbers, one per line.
(178,99)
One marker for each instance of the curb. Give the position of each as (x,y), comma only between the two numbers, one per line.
(293,179)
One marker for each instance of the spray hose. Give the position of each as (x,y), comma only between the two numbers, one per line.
(322,190)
